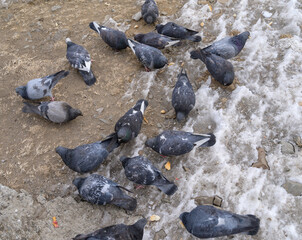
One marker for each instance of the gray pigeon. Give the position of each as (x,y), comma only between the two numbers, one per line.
(156,40)
(80,59)
(88,157)
(150,57)
(183,96)
(129,125)
(221,69)
(55,111)
(174,143)
(114,38)
(208,222)
(171,29)
(227,47)
(149,11)
(40,87)
(141,171)
(99,190)
(117,232)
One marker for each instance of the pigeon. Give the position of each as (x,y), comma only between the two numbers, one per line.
(227,47)
(114,38)
(40,87)
(150,57)
(99,190)
(149,11)
(221,69)
(173,30)
(141,171)
(206,221)
(156,40)
(55,111)
(129,125)
(117,232)
(183,96)
(88,157)
(80,59)
(174,143)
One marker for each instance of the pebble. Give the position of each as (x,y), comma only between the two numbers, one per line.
(297,140)
(104,121)
(137,16)
(161,234)
(287,148)
(55,8)
(100,110)
(158,125)
(293,188)
(216,200)
(162,111)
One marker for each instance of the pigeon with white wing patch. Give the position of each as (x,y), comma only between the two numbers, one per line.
(80,59)
(40,87)
(141,171)
(114,38)
(174,143)
(100,190)
(129,125)
(150,57)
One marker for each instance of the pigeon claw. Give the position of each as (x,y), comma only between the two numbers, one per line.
(52,99)
(147,69)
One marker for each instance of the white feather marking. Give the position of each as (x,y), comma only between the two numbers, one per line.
(162,137)
(96,27)
(172,43)
(143,107)
(202,141)
(85,68)
(68,40)
(131,45)
(221,221)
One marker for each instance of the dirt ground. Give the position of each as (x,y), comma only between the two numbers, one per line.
(33,45)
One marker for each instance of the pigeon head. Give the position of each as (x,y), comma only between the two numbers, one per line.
(138,37)
(141,105)
(124,160)
(180,116)
(78,182)
(240,39)
(68,42)
(140,224)
(160,62)
(152,143)
(159,27)
(22,92)
(73,113)
(228,78)
(183,217)
(124,134)
(150,17)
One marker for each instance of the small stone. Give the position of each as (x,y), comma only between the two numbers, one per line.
(262,163)
(100,110)
(164,13)
(297,140)
(55,8)
(235,15)
(266,14)
(161,234)
(293,188)
(158,125)
(202,200)
(154,218)
(104,121)
(137,16)
(217,201)
(150,96)
(185,169)
(287,148)
(162,111)
(170,114)
(136,26)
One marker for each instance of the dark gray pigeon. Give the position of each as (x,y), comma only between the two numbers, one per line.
(88,157)
(156,40)
(141,171)
(150,57)
(129,125)
(149,11)
(99,190)
(173,30)
(40,87)
(174,143)
(55,111)
(221,69)
(183,96)
(117,232)
(208,222)
(80,59)
(114,38)
(227,47)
